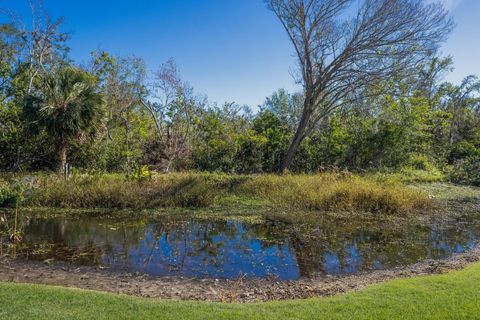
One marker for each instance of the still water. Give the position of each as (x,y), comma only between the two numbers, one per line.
(230,249)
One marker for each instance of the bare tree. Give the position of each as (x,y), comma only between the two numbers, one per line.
(173,109)
(343,45)
(431,74)
(42,39)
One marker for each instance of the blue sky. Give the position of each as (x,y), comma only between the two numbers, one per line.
(231,50)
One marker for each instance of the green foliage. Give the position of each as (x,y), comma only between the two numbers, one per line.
(462,150)
(11,194)
(217,144)
(276,135)
(141,173)
(418,168)
(109,118)
(67,107)
(419,162)
(466,171)
(410,175)
(250,154)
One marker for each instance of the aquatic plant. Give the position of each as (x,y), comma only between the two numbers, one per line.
(11,195)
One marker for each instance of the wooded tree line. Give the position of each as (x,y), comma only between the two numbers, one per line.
(373,97)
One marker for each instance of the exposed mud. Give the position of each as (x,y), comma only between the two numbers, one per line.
(220,290)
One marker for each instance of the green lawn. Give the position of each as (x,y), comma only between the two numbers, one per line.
(451,296)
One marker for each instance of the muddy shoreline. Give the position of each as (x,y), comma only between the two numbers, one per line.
(217,290)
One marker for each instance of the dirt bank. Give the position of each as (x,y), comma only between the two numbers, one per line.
(239,290)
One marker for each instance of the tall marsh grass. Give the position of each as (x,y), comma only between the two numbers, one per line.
(321,192)
(116,191)
(337,192)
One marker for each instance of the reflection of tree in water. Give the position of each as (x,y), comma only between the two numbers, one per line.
(187,239)
(339,246)
(86,255)
(87,242)
(119,242)
(321,246)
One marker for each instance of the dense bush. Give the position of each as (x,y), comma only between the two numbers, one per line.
(10,194)
(462,150)
(466,171)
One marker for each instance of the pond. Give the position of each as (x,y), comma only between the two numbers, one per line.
(173,246)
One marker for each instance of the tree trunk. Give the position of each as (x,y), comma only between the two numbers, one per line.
(127,143)
(297,139)
(62,155)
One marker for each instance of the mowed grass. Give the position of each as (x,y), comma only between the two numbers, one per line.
(455,295)
(319,192)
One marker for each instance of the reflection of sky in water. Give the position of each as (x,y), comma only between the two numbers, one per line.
(332,263)
(232,249)
(221,256)
(351,264)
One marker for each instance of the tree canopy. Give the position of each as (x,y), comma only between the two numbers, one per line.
(374,98)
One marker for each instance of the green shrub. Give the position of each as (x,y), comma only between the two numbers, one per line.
(141,173)
(418,169)
(466,171)
(10,194)
(411,175)
(462,150)
(419,162)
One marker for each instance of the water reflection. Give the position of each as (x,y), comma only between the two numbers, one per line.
(229,249)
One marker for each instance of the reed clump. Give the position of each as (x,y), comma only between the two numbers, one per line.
(117,191)
(320,192)
(337,192)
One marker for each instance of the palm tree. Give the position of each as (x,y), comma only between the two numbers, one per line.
(67,106)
